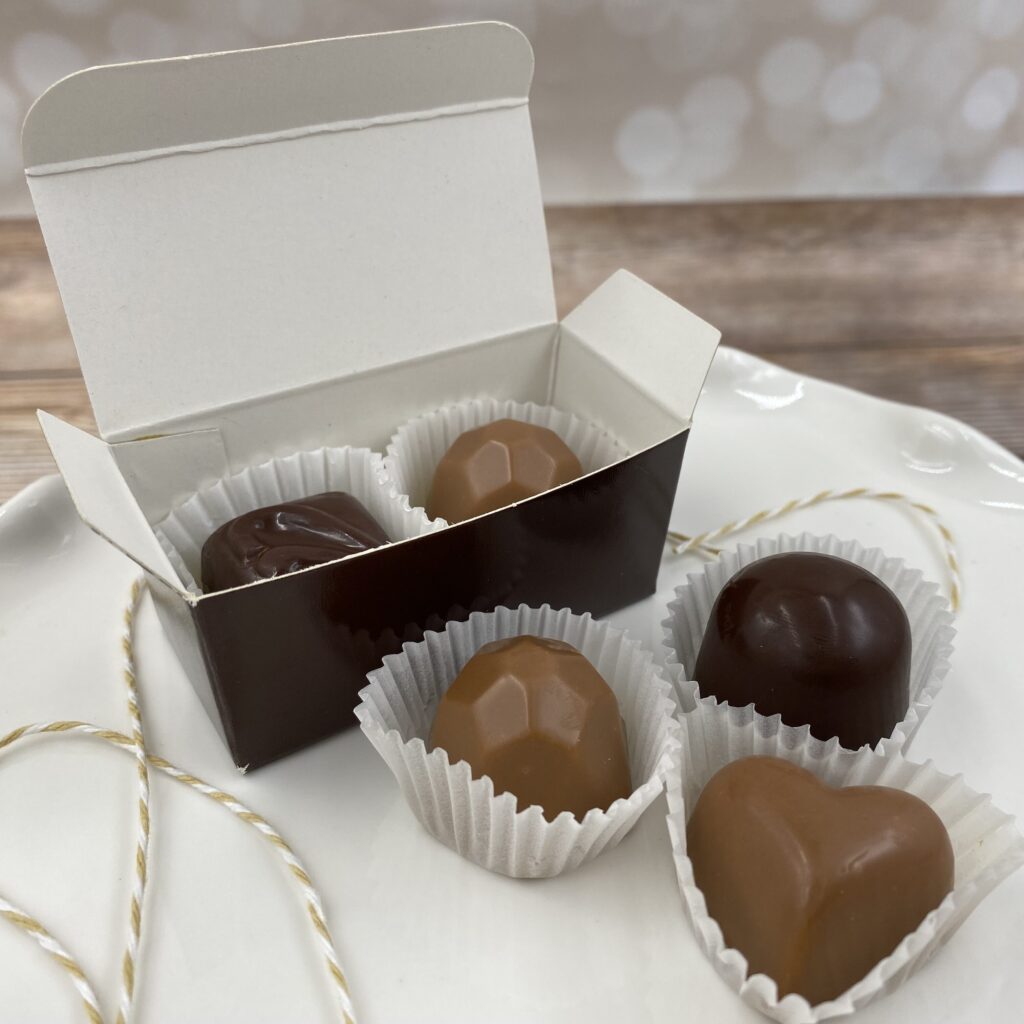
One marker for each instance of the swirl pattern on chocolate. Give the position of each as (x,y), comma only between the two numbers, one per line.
(282,538)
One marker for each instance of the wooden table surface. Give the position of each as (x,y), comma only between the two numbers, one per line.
(919,300)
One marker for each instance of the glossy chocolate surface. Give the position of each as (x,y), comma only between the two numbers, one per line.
(286,661)
(282,538)
(815,639)
(497,464)
(814,885)
(537,717)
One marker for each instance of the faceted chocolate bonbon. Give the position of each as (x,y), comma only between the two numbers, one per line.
(815,639)
(814,885)
(281,538)
(537,717)
(497,464)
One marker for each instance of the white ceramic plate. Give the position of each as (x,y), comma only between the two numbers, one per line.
(425,936)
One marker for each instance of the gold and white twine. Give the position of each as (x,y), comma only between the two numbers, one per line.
(314,906)
(42,936)
(705,542)
(142,840)
(135,745)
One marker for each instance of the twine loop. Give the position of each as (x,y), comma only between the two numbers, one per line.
(706,542)
(134,745)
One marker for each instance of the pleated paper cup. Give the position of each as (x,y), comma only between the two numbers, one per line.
(357,471)
(398,708)
(418,446)
(987,844)
(931,620)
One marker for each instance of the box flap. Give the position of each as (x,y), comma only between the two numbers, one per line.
(235,225)
(165,470)
(102,497)
(663,348)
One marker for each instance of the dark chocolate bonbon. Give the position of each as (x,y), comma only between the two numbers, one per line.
(815,639)
(282,538)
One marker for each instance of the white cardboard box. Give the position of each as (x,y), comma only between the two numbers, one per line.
(271,250)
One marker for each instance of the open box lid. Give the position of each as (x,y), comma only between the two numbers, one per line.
(235,225)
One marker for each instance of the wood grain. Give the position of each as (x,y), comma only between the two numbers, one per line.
(791,275)
(920,301)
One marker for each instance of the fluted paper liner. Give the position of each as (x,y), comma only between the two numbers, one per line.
(931,621)
(357,471)
(986,842)
(398,708)
(418,446)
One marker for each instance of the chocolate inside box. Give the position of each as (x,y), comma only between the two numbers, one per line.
(286,662)
(275,250)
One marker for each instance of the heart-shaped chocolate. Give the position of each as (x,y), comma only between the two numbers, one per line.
(814,885)
(815,639)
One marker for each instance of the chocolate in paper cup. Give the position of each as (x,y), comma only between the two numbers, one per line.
(357,471)
(987,844)
(931,620)
(418,446)
(398,708)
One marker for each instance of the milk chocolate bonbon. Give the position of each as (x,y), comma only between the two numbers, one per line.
(497,464)
(815,639)
(537,717)
(814,885)
(281,538)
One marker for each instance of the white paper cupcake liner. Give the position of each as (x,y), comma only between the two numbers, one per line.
(986,842)
(931,621)
(417,447)
(398,709)
(357,471)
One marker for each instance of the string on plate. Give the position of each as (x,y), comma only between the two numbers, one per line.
(134,745)
(41,934)
(706,542)
(138,749)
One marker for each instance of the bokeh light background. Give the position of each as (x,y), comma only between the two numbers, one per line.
(641,100)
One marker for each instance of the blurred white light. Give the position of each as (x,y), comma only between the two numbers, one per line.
(638,17)
(716,98)
(272,19)
(991,99)
(711,116)
(964,142)
(790,71)
(10,153)
(1006,171)
(832,166)
(82,8)
(706,152)
(843,11)
(10,107)
(852,91)
(702,34)
(939,68)
(888,42)
(521,13)
(1000,18)
(139,35)
(41,58)
(911,157)
(648,142)
(792,128)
